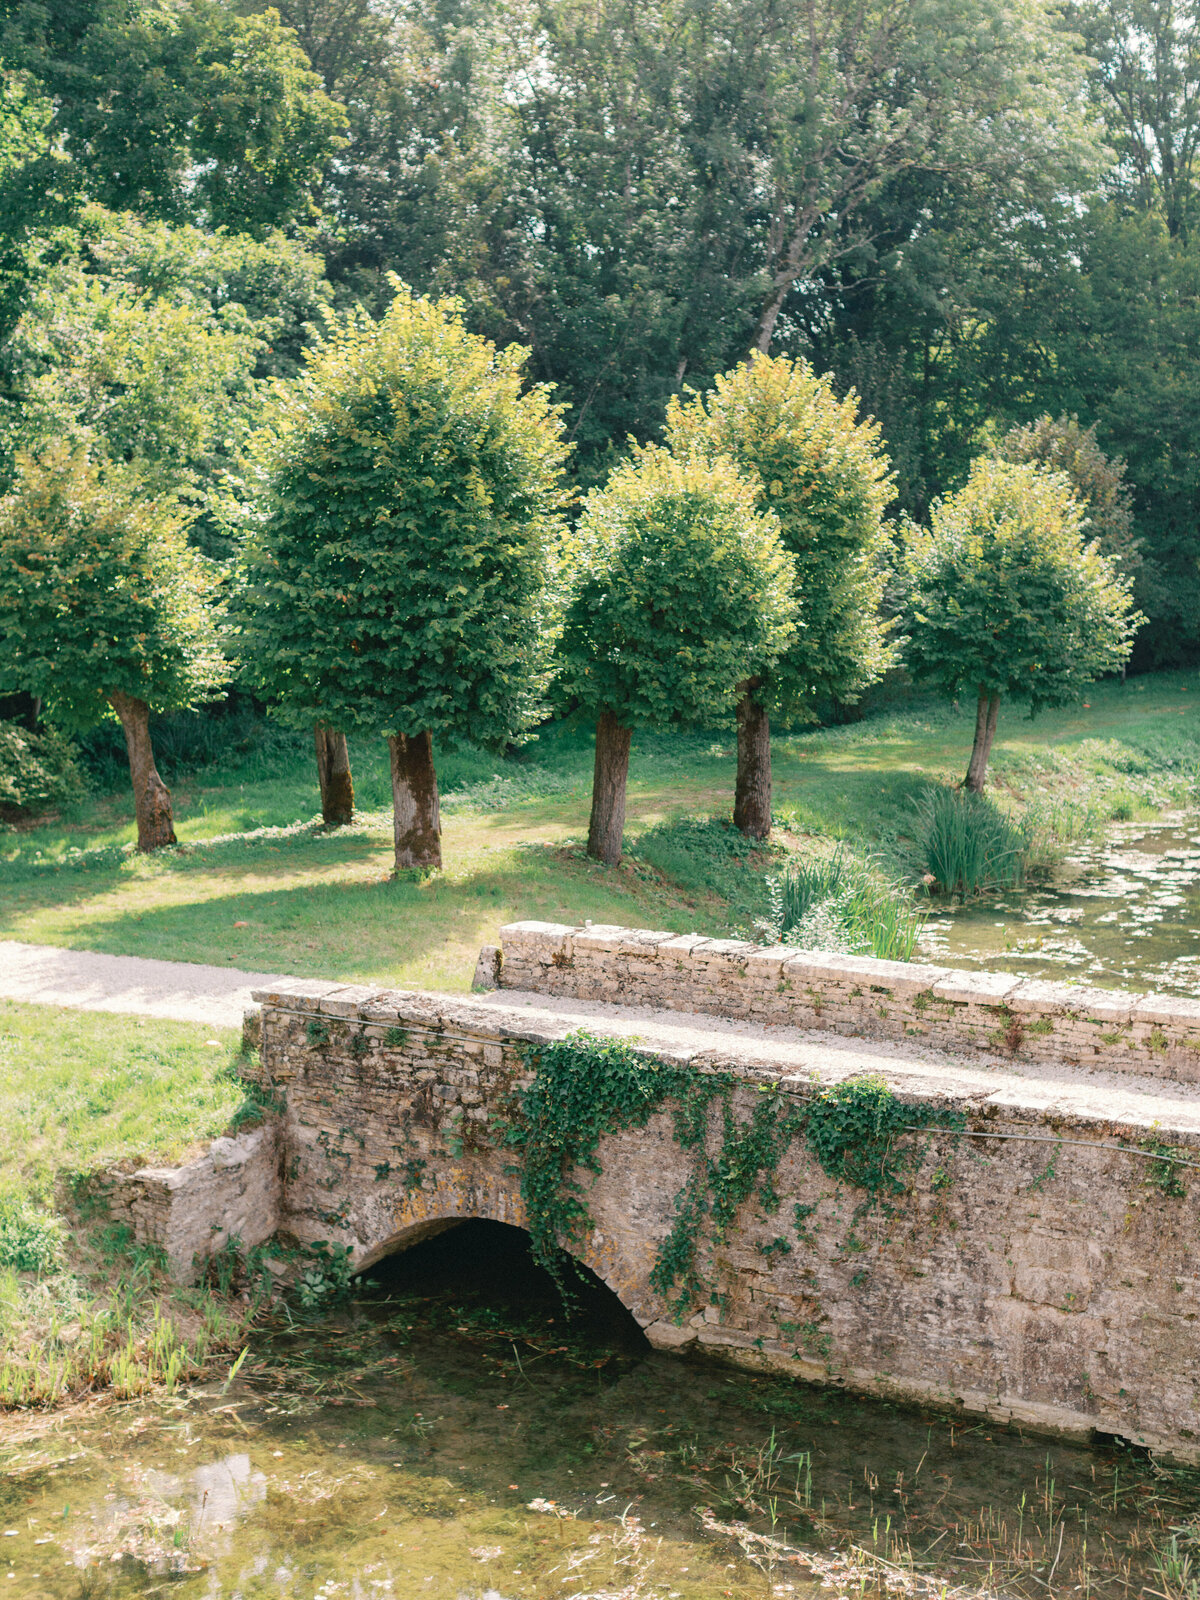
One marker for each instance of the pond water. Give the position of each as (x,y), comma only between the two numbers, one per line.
(448,1434)
(1123,913)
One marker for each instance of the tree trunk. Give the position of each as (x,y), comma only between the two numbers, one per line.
(416,814)
(752,797)
(986,712)
(607,826)
(333,771)
(151,797)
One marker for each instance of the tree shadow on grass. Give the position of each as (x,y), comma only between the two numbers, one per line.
(91,874)
(423,934)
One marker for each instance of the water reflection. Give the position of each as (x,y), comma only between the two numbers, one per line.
(1125,913)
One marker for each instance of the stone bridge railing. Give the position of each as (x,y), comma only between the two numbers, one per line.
(1155,1035)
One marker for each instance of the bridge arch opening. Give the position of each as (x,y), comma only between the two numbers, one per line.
(488,1266)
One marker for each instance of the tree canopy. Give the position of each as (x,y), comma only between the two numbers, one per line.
(823,473)
(105,607)
(400,581)
(681,589)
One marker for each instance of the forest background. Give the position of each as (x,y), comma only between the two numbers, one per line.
(973,212)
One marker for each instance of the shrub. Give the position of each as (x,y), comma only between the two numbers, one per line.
(30,1241)
(36,769)
(969,846)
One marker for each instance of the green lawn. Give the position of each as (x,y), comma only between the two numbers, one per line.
(83,1308)
(293,898)
(82,1090)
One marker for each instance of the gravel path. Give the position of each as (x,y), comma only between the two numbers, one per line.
(85,978)
(830,1057)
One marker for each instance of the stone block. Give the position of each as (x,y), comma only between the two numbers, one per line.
(1167,1011)
(977,988)
(487,969)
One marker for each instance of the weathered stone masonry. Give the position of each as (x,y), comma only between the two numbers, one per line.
(1047,1286)
(1154,1035)
(1029,1279)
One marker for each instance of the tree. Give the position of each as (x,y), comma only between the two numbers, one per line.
(105,608)
(1146,83)
(1005,597)
(154,342)
(1097,481)
(185,111)
(334,776)
(398,584)
(682,590)
(823,474)
(36,188)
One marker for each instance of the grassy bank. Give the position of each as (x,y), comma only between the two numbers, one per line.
(258,883)
(82,1309)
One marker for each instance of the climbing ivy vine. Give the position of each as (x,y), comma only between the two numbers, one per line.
(585,1087)
(855,1129)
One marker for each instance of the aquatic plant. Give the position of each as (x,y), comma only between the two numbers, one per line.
(833,903)
(968,844)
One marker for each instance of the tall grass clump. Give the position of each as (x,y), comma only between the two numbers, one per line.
(838,904)
(968,845)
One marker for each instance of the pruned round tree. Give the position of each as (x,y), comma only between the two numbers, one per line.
(398,582)
(104,608)
(823,473)
(681,591)
(1006,599)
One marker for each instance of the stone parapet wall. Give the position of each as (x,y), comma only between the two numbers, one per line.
(1029,1272)
(996,1013)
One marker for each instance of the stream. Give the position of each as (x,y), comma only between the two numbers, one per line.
(448,1433)
(1123,913)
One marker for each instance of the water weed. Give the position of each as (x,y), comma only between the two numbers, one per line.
(833,903)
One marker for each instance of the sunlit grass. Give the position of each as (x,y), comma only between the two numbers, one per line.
(323,904)
(82,1308)
(80,1090)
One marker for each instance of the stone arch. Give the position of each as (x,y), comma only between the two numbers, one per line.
(603,1264)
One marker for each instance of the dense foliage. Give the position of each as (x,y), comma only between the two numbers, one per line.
(398,584)
(942,229)
(104,607)
(681,593)
(824,474)
(1097,482)
(99,592)
(36,769)
(681,590)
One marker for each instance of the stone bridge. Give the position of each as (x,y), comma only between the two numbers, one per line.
(1040,1267)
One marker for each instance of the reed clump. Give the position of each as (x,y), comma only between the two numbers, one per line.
(968,845)
(834,903)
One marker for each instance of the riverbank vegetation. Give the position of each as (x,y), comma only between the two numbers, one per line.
(83,1308)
